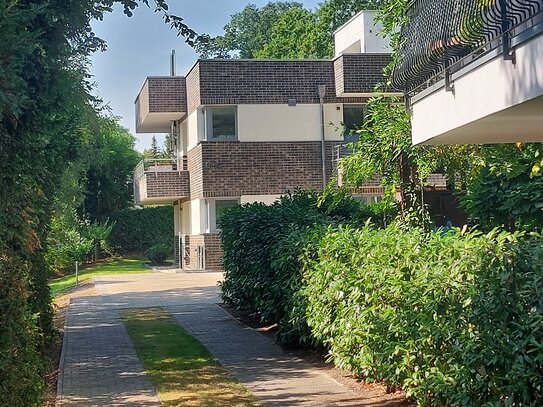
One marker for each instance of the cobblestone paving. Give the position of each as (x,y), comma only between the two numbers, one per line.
(99,366)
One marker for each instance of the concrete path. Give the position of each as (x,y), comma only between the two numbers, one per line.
(99,366)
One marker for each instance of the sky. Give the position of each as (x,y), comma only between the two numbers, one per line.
(140,46)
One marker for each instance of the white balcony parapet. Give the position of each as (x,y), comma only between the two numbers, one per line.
(473,74)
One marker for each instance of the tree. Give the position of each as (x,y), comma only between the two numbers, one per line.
(45,111)
(282,30)
(111,161)
(246,33)
(385,148)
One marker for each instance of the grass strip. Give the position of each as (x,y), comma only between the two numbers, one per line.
(181,369)
(123,266)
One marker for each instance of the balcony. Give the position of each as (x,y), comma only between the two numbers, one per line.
(162,99)
(160,181)
(472,71)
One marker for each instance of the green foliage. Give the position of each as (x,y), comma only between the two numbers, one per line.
(20,363)
(453,319)
(46,118)
(110,160)
(281,30)
(514,203)
(158,253)
(261,246)
(136,230)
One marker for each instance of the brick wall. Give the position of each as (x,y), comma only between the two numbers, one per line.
(359,73)
(221,169)
(162,184)
(167,94)
(193,88)
(214,252)
(213,82)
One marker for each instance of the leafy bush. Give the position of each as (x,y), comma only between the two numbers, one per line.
(513,202)
(262,245)
(453,319)
(158,253)
(136,230)
(21,365)
(65,243)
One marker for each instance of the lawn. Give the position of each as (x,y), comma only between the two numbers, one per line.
(123,266)
(181,369)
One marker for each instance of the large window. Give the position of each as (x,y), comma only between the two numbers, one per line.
(221,123)
(215,209)
(353,118)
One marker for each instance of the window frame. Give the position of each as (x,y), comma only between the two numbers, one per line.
(346,131)
(208,123)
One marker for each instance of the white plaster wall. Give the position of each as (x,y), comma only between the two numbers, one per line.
(361,34)
(177,220)
(186,218)
(198,217)
(194,129)
(265,199)
(280,122)
(491,88)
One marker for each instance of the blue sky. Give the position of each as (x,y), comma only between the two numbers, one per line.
(140,46)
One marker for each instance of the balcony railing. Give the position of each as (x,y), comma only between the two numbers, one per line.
(161,180)
(444,36)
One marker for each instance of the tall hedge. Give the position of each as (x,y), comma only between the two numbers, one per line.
(21,364)
(136,230)
(453,319)
(262,247)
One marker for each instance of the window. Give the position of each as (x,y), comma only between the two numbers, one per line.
(353,118)
(221,123)
(214,210)
(223,205)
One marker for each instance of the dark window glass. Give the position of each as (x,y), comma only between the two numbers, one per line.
(222,205)
(353,118)
(222,123)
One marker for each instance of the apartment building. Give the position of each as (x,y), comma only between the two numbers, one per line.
(251,130)
(472,71)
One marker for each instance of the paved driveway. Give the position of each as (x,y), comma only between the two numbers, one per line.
(99,366)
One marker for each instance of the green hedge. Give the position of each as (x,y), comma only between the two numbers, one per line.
(21,364)
(136,230)
(262,247)
(453,319)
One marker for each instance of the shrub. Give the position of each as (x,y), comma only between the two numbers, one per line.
(136,230)
(453,319)
(158,253)
(262,245)
(21,365)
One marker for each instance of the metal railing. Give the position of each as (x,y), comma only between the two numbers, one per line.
(443,36)
(156,165)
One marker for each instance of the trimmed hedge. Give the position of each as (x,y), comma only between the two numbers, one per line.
(453,319)
(136,230)
(262,247)
(21,364)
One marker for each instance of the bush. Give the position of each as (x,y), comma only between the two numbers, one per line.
(454,320)
(262,245)
(158,253)
(21,365)
(136,230)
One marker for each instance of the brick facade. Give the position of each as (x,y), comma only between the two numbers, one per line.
(167,94)
(222,169)
(359,73)
(235,81)
(162,184)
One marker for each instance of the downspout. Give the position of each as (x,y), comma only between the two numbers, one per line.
(322,93)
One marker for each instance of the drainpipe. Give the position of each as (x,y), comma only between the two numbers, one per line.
(322,93)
